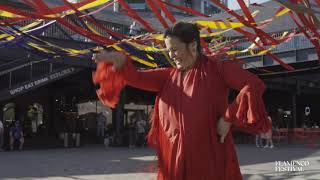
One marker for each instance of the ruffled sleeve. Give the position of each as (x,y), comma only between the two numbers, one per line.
(111,82)
(247,112)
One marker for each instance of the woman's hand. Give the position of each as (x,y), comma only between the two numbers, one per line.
(113,57)
(223,128)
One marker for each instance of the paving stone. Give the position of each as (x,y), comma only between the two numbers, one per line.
(98,163)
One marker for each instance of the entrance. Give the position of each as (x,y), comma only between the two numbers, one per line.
(33,125)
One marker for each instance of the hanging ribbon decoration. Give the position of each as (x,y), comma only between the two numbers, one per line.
(157,13)
(139,47)
(309,24)
(135,16)
(60,11)
(246,11)
(166,11)
(114,34)
(264,36)
(100,9)
(125,47)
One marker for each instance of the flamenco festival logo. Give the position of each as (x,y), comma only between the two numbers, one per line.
(291,166)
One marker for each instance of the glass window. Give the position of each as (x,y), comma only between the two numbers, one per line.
(209,8)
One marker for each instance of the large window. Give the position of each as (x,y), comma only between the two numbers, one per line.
(208,8)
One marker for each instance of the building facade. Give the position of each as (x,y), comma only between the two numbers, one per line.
(39,93)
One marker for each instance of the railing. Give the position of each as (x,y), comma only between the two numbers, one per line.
(27,72)
(296,43)
(60,32)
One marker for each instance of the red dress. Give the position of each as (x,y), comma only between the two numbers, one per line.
(186,110)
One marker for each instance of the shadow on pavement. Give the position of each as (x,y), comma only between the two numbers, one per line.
(76,162)
(140,163)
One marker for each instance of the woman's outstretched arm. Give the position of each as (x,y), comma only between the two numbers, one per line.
(115,70)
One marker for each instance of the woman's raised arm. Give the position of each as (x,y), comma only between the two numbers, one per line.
(114,71)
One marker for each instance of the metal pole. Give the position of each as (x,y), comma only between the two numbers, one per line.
(51,68)
(10,79)
(31,69)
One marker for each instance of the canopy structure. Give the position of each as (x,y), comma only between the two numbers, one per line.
(220,34)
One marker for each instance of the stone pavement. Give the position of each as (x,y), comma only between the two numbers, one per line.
(97,163)
(260,163)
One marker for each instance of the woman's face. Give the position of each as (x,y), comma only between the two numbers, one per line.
(184,55)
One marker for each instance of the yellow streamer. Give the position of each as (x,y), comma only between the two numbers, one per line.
(36,46)
(84,7)
(219,24)
(144,47)
(282,12)
(8,14)
(135,57)
(23,29)
(252,46)
(214,33)
(232,25)
(92,29)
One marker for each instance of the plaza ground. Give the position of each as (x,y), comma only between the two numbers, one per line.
(97,163)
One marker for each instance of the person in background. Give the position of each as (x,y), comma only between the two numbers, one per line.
(134,29)
(101,124)
(307,117)
(77,130)
(259,141)
(280,119)
(131,132)
(16,134)
(268,136)
(141,130)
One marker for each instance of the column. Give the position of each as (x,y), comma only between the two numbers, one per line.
(118,120)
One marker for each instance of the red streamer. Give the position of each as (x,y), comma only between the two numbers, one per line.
(263,36)
(157,13)
(135,16)
(74,28)
(100,9)
(112,33)
(246,12)
(166,11)
(315,42)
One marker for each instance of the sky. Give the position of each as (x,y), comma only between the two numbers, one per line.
(233,4)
